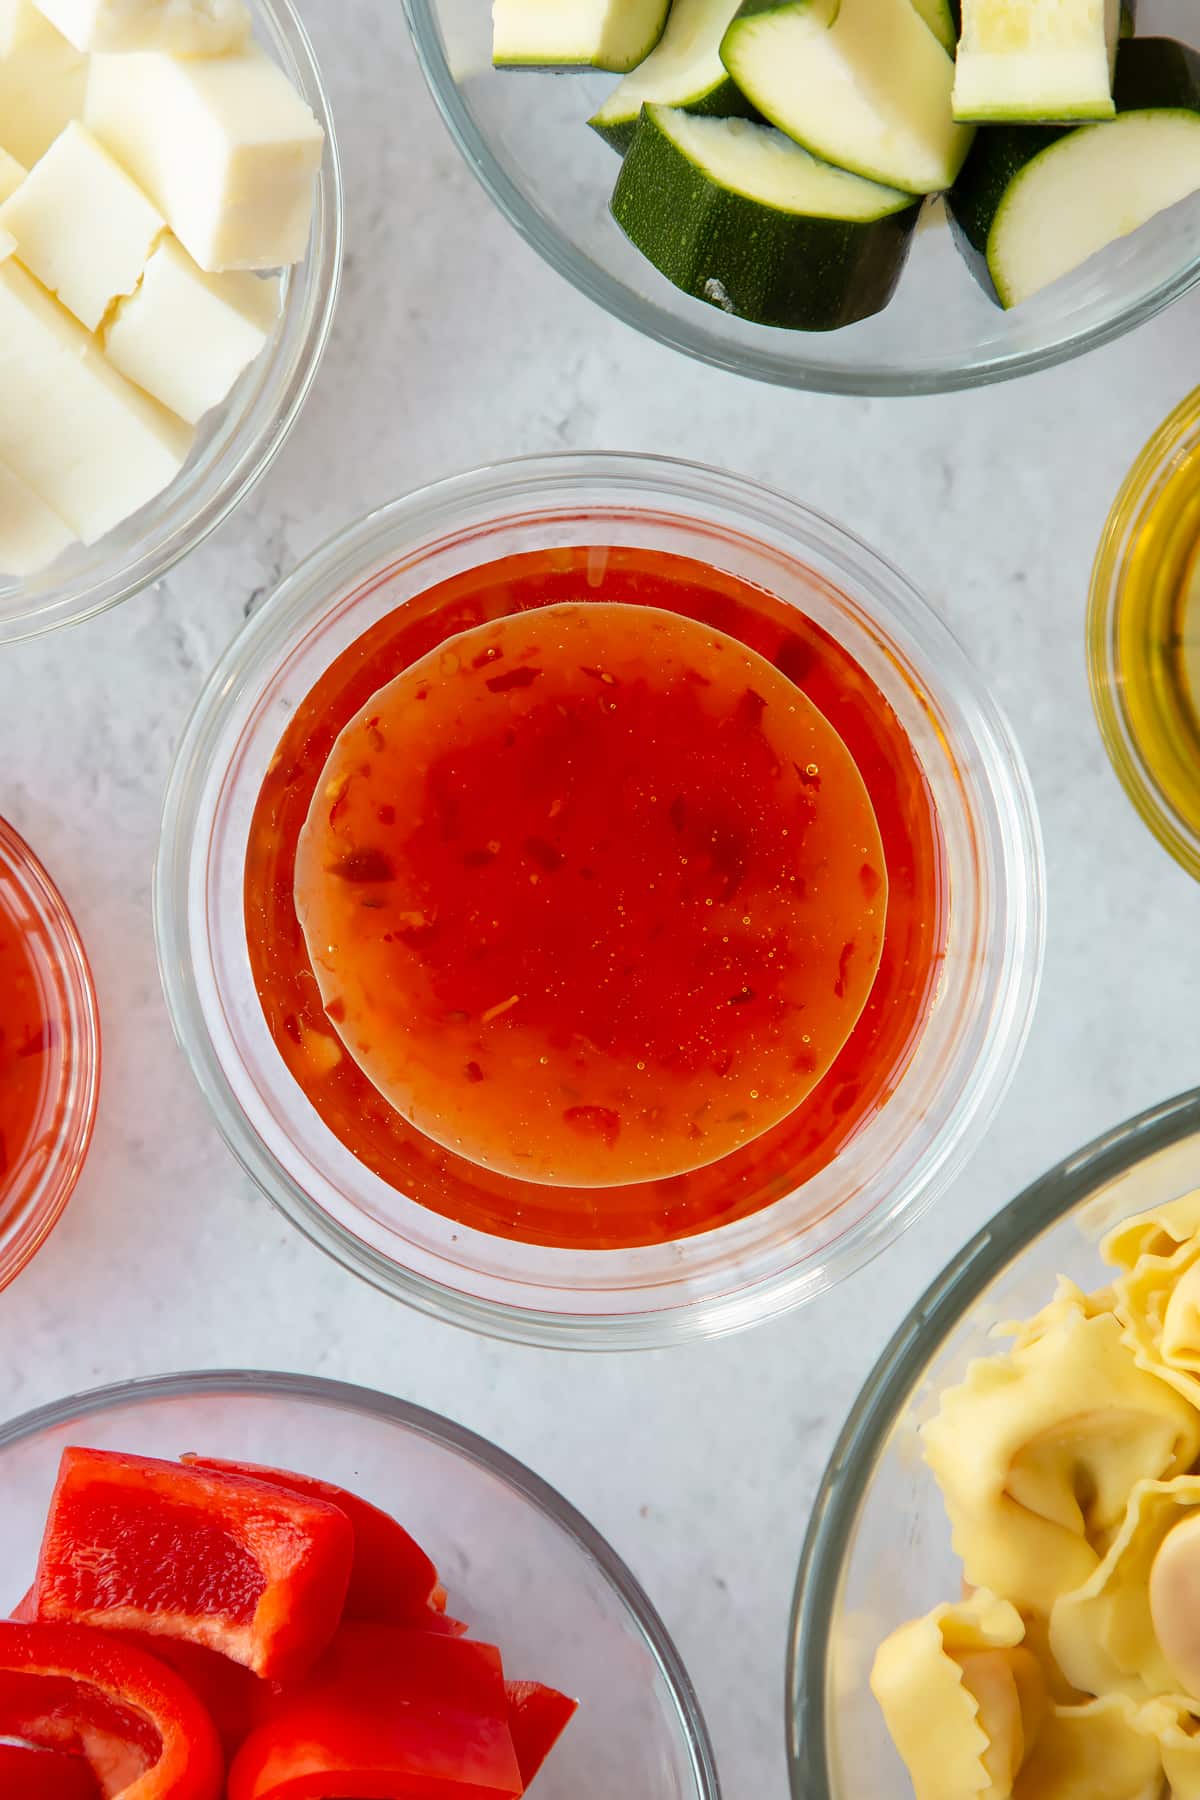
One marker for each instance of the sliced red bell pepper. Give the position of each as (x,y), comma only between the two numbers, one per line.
(537,1718)
(141,1729)
(392,1581)
(27,1774)
(135,1544)
(232,1695)
(387,1714)
(26,1607)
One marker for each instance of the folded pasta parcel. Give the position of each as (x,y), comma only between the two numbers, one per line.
(1134,1627)
(1157,1290)
(1037,1449)
(962,1699)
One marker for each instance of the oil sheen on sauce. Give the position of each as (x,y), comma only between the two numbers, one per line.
(31,1046)
(596,1181)
(593,894)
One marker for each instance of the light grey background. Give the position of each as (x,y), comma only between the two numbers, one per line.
(455,346)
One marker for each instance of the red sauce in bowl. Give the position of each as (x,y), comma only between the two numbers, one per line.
(569,1205)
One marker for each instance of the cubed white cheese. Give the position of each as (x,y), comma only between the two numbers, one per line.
(223,145)
(186,336)
(43,80)
(182,27)
(92,445)
(8,244)
(82,225)
(31,534)
(12,174)
(20,20)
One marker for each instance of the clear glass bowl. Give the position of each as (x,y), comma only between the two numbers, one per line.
(524,134)
(522,1566)
(238,442)
(877,1498)
(36,1192)
(904,1155)
(1143,635)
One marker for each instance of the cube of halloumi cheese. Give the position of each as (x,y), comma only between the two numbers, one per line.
(86,440)
(32,535)
(185,336)
(82,225)
(181,27)
(12,174)
(43,80)
(223,145)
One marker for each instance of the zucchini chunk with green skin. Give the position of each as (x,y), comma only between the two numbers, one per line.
(861,83)
(739,215)
(1027,60)
(1034,202)
(575,34)
(684,69)
(943,18)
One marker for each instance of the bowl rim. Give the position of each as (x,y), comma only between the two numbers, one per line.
(655,322)
(400,528)
(79,1084)
(925,1326)
(349,1397)
(1174,444)
(246,458)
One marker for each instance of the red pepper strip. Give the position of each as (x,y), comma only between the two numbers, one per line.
(388,1714)
(537,1718)
(27,1774)
(134,1544)
(142,1730)
(232,1695)
(26,1607)
(392,1581)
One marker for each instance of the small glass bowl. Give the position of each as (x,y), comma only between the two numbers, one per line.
(1143,635)
(524,135)
(904,1155)
(32,1204)
(522,1567)
(878,1546)
(237,442)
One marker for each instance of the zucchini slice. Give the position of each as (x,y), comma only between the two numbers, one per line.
(739,215)
(943,18)
(684,69)
(1024,60)
(575,34)
(861,83)
(1033,202)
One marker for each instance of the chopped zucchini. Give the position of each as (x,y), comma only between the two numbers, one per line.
(575,34)
(861,83)
(943,18)
(737,214)
(684,69)
(1034,202)
(1025,60)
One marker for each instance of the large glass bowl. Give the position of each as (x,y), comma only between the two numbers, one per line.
(238,441)
(878,1546)
(524,134)
(804,1234)
(522,1567)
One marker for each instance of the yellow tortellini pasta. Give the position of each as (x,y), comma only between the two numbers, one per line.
(1072,1672)
(1037,1449)
(962,1700)
(1175,1723)
(1157,1293)
(1103,1634)
(1099,1751)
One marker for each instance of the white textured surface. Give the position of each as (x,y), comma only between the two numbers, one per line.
(454,346)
